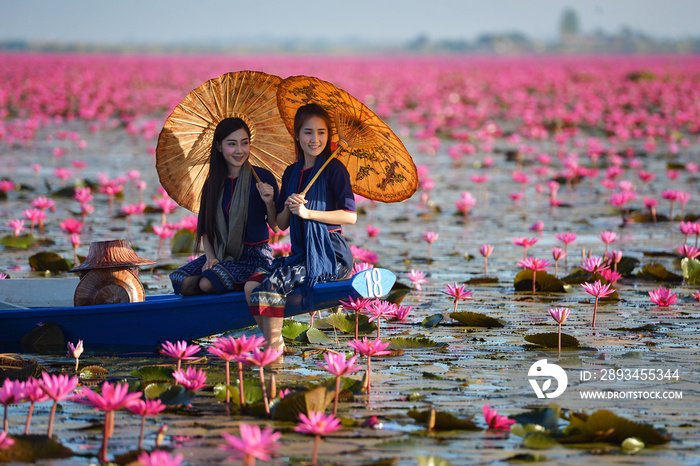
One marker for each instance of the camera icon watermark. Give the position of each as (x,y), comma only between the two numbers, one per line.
(542,369)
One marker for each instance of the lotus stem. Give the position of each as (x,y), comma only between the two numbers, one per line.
(228,382)
(264,392)
(143,430)
(337,393)
(240,385)
(51,417)
(314,456)
(29,418)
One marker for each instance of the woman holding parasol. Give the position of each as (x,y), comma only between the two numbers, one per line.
(319,250)
(234,213)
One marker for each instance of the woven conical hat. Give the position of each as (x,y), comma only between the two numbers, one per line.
(111,254)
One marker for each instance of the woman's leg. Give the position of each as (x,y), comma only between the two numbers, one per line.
(190,286)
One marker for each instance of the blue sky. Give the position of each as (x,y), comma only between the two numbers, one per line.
(390,21)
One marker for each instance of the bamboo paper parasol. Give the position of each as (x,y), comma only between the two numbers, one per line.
(380,166)
(182,154)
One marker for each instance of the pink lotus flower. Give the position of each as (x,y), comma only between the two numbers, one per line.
(370,348)
(566,238)
(83,195)
(401,312)
(372,231)
(495,421)
(317,424)
(253,443)
(457,292)
(145,408)
(75,351)
(430,237)
(417,278)
(262,359)
(192,379)
(44,203)
(358,267)
(559,314)
(688,251)
(162,232)
(167,205)
(72,226)
(594,265)
(160,458)
(56,387)
(111,398)
(557,255)
(465,204)
(235,349)
(358,305)
(17,226)
(486,250)
(379,309)
(610,276)
(6,185)
(5,441)
(181,350)
(337,365)
(33,394)
(11,392)
(598,290)
(662,297)
(35,216)
(607,237)
(536,265)
(696,296)
(525,243)
(363,255)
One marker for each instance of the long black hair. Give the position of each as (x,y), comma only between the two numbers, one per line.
(304,113)
(218,172)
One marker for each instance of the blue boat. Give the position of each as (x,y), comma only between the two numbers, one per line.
(143,326)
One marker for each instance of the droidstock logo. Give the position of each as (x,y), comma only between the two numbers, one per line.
(541,369)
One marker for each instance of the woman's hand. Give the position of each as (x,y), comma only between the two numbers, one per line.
(267,192)
(295,204)
(210,263)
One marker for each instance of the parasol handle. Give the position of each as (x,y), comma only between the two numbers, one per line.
(341,145)
(254,173)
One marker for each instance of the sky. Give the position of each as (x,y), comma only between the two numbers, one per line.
(115,22)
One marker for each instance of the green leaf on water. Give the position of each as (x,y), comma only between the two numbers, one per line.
(606,426)
(154,373)
(294,330)
(432,321)
(289,407)
(397,294)
(474,319)
(177,395)
(18,242)
(444,421)
(658,272)
(183,242)
(346,323)
(545,282)
(539,441)
(691,270)
(413,343)
(50,261)
(315,336)
(31,448)
(155,390)
(551,340)
(627,265)
(252,392)
(482,280)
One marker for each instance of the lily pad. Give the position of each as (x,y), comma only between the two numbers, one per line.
(346,323)
(545,282)
(658,272)
(315,336)
(413,343)
(252,391)
(397,294)
(295,330)
(444,421)
(289,407)
(18,242)
(606,426)
(474,319)
(31,448)
(546,417)
(482,280)
(627,265)
(50,261)
(539,441)
(177,395)
(183,242)
(432,321)
(154,373)
(551,340)
(691,270)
